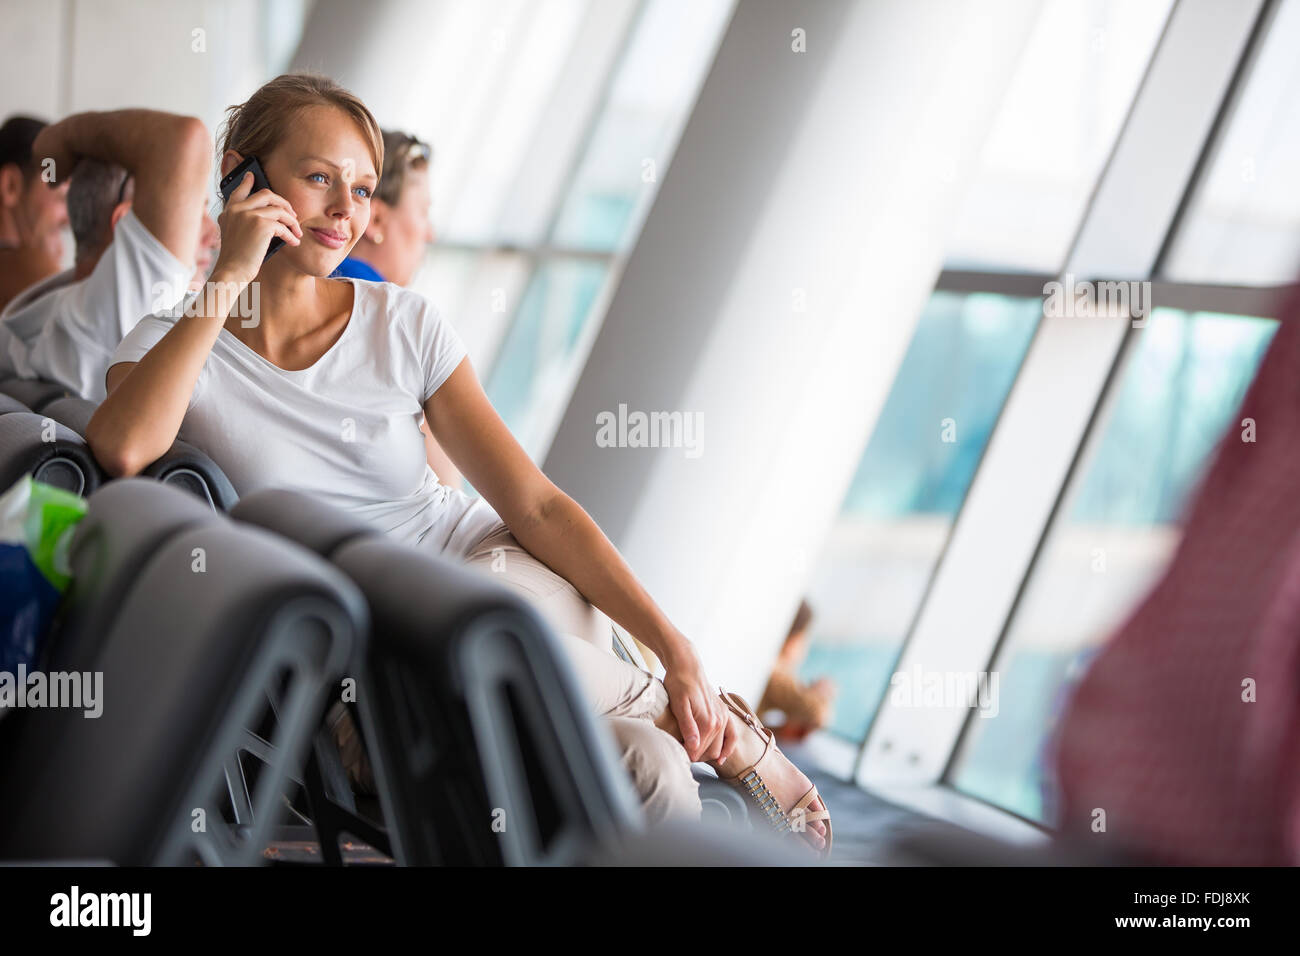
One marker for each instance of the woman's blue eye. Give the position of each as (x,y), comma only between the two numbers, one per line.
(321,175)
(365,191)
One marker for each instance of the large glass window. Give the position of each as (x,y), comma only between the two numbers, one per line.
(1244,223)
(553,123)
(531,380)
(1079,73)
(1116,529)
(643,115)
(1072,89)
(872,573)
(528,249)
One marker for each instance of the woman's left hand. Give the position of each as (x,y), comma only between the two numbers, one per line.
(701,716)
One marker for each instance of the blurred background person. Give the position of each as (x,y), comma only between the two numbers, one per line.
(33,212)
(400,229)
(803,707)
(136,205)
(1179,745)
(394,244)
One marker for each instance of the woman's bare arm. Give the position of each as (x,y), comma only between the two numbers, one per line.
(546,521)
(441,463)
(554,528)
(147,400)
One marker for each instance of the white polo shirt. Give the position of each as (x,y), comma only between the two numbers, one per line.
(65,330)
(347,429)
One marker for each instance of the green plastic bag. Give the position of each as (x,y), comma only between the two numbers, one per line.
(36,526)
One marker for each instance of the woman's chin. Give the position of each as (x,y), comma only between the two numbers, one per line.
(314,262)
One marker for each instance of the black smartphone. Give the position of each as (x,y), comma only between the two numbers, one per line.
(231,182)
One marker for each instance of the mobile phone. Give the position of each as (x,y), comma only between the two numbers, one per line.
(231,182)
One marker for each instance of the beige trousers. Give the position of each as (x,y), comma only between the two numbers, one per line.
(626,698)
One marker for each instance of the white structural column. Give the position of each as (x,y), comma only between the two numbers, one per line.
(772,292)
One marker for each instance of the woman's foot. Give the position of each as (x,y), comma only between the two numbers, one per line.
(777,787)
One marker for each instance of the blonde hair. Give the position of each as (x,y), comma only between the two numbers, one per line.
(256,126)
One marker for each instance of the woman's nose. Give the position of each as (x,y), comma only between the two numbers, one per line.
(343,203)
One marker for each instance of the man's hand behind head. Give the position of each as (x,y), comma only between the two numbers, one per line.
(54,159)
(168,156)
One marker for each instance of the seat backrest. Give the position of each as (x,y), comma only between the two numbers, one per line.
(470,707)
(31,444)
(35,393)
(300,517)
(222,620)
(71,411)
(126,522)
(479,720)
(182,466)
(8,405)
(186,467)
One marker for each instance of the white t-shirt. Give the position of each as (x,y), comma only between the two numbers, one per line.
(65,330)
(347,429)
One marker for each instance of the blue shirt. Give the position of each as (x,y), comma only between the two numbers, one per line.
(351,268)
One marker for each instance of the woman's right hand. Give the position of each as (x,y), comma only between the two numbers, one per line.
(248,224)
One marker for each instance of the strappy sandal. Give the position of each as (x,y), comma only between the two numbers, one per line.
(750,781)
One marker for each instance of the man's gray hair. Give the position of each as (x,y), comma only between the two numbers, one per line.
(96,188)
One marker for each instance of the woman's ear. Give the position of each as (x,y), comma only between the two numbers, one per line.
(229,160)
(379,216)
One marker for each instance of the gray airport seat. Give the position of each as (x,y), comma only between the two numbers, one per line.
(126,522)
(8,404)
(183,465)
(192,659)
(470,710)
(31,444)
(334,809)
(480,718)
(35,393)
(71,411)
(186,467)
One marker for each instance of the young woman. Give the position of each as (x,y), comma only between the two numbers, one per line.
(323,393)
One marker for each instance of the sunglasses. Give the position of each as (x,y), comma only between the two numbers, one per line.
(413,149)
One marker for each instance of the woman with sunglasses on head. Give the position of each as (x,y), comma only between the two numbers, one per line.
(393,245)
(323,394)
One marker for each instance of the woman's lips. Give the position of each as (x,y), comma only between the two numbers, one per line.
(327,238)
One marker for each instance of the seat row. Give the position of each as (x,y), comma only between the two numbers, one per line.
(42,434)
(221,641)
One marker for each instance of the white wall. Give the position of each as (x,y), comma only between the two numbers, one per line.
(71,55)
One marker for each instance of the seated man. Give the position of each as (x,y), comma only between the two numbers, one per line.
(136,205)
(32,215)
